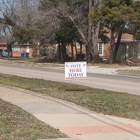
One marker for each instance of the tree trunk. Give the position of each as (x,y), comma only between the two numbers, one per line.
(112,44)
(9,48)
(34,44)
(95,34)
(80,50)
(64,52)
(72,51)
(59,52)
(89,45)
(38,50)
(117,44)
(75,51)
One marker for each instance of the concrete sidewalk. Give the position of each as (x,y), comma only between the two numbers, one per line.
(77,122)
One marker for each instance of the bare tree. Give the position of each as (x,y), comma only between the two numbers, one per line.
(77,13)
(16,13)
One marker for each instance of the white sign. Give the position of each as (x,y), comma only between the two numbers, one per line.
(75,70)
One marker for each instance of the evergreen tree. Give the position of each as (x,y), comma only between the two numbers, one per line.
(115,15)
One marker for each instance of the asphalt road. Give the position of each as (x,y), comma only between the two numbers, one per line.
(129,84)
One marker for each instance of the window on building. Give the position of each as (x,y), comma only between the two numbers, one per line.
(77,45)
(16,48)
(101,49)
(27,49)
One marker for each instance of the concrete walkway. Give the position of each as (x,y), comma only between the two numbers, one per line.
(77,122)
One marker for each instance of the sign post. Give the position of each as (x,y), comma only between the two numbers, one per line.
(75,70)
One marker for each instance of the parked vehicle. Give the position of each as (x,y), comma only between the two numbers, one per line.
(3,53)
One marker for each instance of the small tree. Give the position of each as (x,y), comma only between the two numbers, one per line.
(66,35)
(15,15)
(7,37)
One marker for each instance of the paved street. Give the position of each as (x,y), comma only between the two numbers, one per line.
(102,78)
(77,122)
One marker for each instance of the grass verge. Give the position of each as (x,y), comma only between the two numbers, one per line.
(99,100)
(129,72)
(17,124)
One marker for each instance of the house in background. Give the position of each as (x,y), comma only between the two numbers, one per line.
(77,50)
(128,48)
(19,49)
(3,46)
(52,51)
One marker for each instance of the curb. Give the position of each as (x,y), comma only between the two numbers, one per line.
(59,139)
(114,72)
